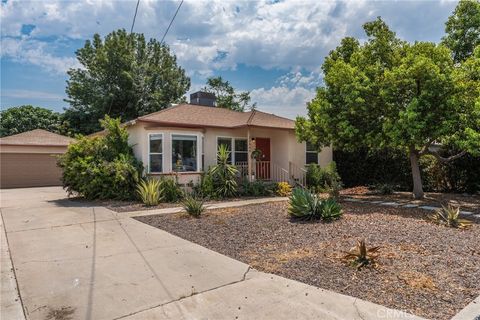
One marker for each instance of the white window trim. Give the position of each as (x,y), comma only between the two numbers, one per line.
(162,153)
(166,165)
(307,151)
(232,139)
(198,156)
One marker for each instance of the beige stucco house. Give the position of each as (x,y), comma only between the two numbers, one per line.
(183,140)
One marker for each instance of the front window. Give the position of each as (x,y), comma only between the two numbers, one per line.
(240,151)
(156,153)
(184,153)
(311,154)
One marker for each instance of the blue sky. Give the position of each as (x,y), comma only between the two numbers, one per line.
(272,48)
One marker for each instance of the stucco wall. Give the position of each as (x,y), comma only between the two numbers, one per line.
(284,147)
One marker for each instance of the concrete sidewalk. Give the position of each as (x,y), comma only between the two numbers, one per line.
(81,262)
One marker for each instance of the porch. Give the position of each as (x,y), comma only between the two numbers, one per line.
(270,171)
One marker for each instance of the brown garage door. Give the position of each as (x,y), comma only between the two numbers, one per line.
(29,170)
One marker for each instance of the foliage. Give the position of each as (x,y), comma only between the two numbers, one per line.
(205,188)
(149,191)
(284,189)
(463,29)
(224,174)
(226,97)
(331,210)
(25,118)
(389,166)
(102,167)
(257,188)
(306,205)
(122,76)
(449,216)
(389,93)
(193,206)
(170,190)
(360,256)
(323,179)
(385,188)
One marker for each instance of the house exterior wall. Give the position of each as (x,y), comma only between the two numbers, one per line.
(284,148)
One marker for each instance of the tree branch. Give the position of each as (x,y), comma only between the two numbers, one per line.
(443,159)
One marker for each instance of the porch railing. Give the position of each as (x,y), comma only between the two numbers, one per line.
(270,171)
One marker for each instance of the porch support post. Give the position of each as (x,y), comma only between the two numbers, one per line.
(249,156)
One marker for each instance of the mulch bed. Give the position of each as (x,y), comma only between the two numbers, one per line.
(425,269)
(468,202)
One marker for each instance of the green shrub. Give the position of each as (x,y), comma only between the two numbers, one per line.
(323,179)
(257,188)
(450,217)
(170,190)
(102,167)
(385,188)
(224,175)
(306,205)
(149,191)
(205,187)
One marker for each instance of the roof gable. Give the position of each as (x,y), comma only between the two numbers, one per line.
(37,137)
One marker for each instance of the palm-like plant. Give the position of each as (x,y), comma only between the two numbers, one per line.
(149,191)
(224,174)
(449,216)
(361,256)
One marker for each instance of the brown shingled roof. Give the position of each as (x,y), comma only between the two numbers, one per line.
(37,137)
(189,115)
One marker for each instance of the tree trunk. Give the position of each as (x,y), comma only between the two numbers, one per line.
(417,179)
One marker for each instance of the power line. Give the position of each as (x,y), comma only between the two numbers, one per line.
(135,16)
(166,31)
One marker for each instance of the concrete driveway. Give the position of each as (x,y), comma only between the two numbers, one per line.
(76,261)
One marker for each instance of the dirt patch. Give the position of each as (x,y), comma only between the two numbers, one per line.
(422,268)
(464,201)
(63,313)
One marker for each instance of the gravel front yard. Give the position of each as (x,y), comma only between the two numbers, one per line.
(425,269)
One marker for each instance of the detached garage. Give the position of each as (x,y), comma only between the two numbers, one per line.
(29,159)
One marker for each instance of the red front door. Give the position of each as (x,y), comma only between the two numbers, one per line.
(263,164)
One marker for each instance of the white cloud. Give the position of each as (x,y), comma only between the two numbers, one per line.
(283,101)
(35,52)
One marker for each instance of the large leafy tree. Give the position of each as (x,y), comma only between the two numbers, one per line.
(463,29)
(122,76)
(25,118)
(227,97)
(389,93)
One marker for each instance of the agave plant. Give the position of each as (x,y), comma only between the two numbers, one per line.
(304,205)
(149,191)
(193,206)
(449,216)
(224,174)
(360,256)
(331,210)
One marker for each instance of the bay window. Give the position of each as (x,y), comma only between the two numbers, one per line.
(155,153)
(184,152)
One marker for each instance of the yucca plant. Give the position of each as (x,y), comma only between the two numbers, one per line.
(331,210)
(224,174)
(304,205)
(149,191)
(449,216)
(193,206)
(360,256)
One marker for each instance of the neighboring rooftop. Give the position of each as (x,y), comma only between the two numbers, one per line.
(193,116)
(37,137)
